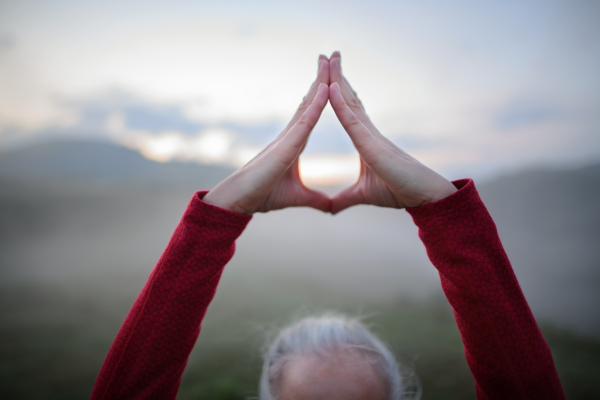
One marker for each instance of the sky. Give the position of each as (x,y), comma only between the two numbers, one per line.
(469,88)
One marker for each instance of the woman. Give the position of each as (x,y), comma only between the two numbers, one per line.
(331,357)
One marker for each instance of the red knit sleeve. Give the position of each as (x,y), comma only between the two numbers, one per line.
(151,350)
(505,349)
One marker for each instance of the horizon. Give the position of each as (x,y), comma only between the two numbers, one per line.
(469,90)
(116,117)
(323,184)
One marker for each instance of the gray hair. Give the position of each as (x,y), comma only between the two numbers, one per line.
(320,335)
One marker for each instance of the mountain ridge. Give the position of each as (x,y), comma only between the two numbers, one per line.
(119,213)
(101,162)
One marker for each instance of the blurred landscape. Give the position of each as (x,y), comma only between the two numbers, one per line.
(83,223)
(112,115)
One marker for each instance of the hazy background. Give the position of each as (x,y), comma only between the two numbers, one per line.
(112,114)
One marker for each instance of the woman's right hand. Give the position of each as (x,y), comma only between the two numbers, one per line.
(271,180)
(389,177)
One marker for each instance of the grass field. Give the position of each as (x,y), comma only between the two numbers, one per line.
(54,337)
(75,254)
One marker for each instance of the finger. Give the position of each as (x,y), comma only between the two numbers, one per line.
(273,162)
(322,77)
(290,145)
(335,73)
(361,136)
(350,95)
(312,198)
(347,198)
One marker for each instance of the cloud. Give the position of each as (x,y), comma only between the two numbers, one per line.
(524,113)
(207,146)
(462,88)
(329,158)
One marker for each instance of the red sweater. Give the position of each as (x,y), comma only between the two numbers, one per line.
(505,349)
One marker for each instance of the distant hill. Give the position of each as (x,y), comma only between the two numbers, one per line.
(549,223)
(120,210)
(101,162)
(552,201)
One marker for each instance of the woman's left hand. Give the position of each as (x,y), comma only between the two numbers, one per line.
(271,180)
(389,177)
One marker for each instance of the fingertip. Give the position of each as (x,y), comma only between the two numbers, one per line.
(317,200)
(334,89)
(336,54)
(323,57)
(325,207)
(322,91)
(323,65)
(336,63)
(336,209)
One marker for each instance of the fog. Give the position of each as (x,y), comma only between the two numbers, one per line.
(53,229)
(82,224)
(505,92)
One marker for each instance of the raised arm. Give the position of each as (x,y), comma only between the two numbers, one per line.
(505,349)
(151,349)
(503,344)
(150,352)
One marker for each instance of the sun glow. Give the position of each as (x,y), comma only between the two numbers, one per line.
(329,169)
(163,147)
(191,69)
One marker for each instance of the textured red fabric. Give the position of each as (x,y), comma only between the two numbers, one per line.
(151,350)
(504,347)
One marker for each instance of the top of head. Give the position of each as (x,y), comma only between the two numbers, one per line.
(329,357)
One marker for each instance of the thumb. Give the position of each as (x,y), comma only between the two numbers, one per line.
(311,198)
(347,198)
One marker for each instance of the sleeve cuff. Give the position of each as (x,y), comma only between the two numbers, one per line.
(199,209)
(466,196)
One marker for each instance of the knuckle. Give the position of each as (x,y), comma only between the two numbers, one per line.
(305,120)
(354,102)
(353,120)
(365,149)
(304,104)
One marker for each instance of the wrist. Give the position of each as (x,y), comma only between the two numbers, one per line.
(218,200)
(443,191)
